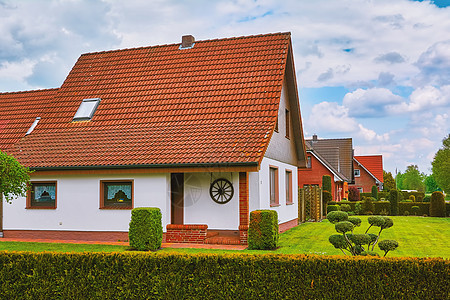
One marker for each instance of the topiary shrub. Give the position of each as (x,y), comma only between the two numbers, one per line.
(367,206)
(375,192)
(387,245)
(358,208)
(326,183)
(331,208)
(145,229)
(326,197)
(337,216)
(437,205)
(346,207)
(412,198)
(406,213)
(353,194)
(415,210)
(427,198)
(394,197)
(263,230)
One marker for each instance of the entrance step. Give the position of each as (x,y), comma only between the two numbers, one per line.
(222,237)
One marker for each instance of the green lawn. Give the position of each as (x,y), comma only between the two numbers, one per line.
(417,237)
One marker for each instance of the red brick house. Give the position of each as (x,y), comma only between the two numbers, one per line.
(328,157)
(205,130)
(368,171)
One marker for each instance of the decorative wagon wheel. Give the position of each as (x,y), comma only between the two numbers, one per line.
(221,191)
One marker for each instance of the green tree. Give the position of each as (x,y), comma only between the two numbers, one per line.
(441,165)
(399,181)
(389,182)
(13,177)
(430,184)
(413,179)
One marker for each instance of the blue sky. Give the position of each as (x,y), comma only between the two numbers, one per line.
(377,71)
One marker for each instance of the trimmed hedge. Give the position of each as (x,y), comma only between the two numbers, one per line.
(437,205)
(145,231)
(394,199)
(375,192)
(211,276)
(263,230)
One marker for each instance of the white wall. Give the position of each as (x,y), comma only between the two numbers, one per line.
(78,204)
(286,212)
(199,208)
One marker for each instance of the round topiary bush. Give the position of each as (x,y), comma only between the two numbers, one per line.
(344,226)
(337,216)
(346,207)
(412,198)
(331,208)
(437,205)
(415,210)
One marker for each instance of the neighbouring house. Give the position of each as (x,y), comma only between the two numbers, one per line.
(368,171)
(205,130)
(331,157)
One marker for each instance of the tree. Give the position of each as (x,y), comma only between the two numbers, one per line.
(413,179)
(355,244)
(13,177)
(441,165)
(430,184)
(389,182)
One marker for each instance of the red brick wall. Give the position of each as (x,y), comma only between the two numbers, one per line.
(177,233)
(314,175)
(364,180)
(243,207)
(287,225)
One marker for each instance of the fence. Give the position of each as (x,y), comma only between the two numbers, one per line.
(310,204)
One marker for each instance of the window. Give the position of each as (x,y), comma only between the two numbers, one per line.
(42,194)
(87,109)
(356,172)
(360,189)
(273,182)
(289,199)
(287,124)
(116,194)
(276,126)
(308,162)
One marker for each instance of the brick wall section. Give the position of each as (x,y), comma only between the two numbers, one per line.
(194,233)
(287,225)
(364,181)
(107,236)
(313,175)
(243,207)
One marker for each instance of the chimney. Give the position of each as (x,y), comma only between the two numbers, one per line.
(187,41)
(315,137)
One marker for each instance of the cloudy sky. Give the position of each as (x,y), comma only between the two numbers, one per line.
(377,71)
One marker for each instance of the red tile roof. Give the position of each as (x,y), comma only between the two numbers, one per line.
(373,163)
(18,112)
(216,103)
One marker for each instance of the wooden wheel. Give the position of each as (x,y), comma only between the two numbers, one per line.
(221,191)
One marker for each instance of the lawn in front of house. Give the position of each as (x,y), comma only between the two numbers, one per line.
(417,237)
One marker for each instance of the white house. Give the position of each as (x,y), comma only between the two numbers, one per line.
(205,130)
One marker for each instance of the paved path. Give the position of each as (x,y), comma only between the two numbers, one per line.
(164,245)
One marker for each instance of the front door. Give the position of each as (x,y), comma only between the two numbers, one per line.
(177,197)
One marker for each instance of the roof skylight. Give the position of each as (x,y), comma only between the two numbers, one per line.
(30,130)
(87,109)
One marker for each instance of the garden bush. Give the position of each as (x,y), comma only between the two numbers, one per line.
(263,230)
(437,205)
(424,207)
(375,192)
(346,207)
(326,183)
(412,198)
(48,275)
(332,208)
(368,206)
(427,198)
(415,210)
(353,194)
(380,206)
(145,230)
(394,199)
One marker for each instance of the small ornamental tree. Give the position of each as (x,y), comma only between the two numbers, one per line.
(359,244)
(375,192)
(13,177)
(353,194)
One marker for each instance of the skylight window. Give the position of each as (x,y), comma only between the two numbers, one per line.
(36,121)
(87,109)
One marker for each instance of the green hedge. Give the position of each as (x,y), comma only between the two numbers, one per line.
(263,230)
(211,276)
(145,231)
(437,205)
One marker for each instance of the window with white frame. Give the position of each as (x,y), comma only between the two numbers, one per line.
(289,199)
(357,172)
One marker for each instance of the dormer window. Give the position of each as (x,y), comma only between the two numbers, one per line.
(87,109)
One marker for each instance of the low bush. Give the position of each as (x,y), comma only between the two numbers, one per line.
(346,207)
(218,276)
(415,210)
(332,208)
(418,196)
(263,230)
(437,205)
(145,230)
(368,206)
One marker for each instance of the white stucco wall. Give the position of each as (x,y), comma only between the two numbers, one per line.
(260,196)
(199,208)
(78,204)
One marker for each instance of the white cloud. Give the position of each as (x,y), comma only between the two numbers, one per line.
(371,102)
(434,64)
(424,99)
